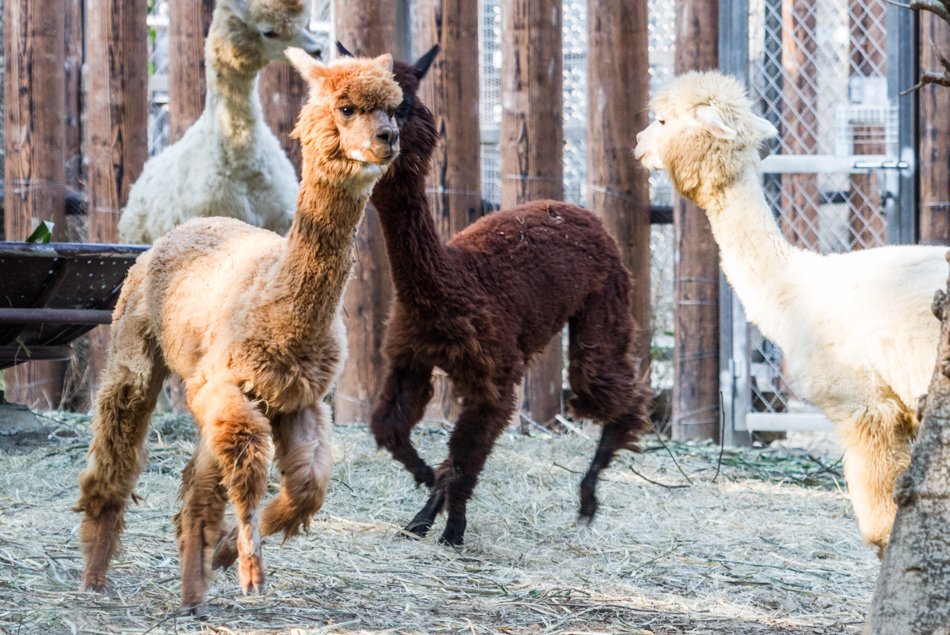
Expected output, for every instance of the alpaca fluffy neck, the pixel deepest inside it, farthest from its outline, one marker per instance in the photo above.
(754, 255)
(416, 253)
(233, 109)
(317, 262)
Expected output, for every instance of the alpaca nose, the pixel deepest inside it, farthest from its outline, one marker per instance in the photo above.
(388, 135)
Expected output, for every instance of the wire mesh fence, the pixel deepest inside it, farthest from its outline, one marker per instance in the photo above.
(818, 69)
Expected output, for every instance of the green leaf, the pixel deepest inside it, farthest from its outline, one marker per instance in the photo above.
(42, 233)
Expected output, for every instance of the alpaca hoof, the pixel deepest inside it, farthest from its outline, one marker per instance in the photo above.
(425, 477)
(588, 507)
(92, 587)
(198, 610)
(225, 553)
(251, 575)
(420, 525)
(453, 535)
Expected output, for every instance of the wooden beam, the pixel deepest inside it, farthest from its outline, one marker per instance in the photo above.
(696, 295)
(532, 145)
(450, 89)
(365, 27)
(117, 126)
(933, 104)
(189, 21)
(617, 96)
(34, 170)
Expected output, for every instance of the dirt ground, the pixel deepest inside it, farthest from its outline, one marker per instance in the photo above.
(767, 546)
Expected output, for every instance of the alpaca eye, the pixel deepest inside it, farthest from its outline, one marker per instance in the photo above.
(662, 122)
(271, 34)
(347, 111)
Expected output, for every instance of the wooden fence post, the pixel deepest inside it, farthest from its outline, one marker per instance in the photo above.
(532, 145)
(696, 340)
(617, 96)
(933, 107)
(283, 93)
(34, 169)
(451, 91)
(189, 21)
(117, 127)
(365, 27)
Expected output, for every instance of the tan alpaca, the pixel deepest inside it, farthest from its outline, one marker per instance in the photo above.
(250, 321)
(856, 329)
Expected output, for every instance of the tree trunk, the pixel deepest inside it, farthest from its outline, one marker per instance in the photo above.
(117, 128)
(450, 89)
(696, 343)
(532, 145)
(913, 590)
(365, 28)
(34, 169)
(188, 27)
(283, 93)
(933, 103)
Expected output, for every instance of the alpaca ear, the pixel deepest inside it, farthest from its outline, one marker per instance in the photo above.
(421, 65)
(709, 120)
(763, 128)
(385, 60)
(309, 68)
(238, 7)
(342, 50)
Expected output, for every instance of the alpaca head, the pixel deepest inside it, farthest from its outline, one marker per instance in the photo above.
(348, 129)
(417, 131)
(246, 35)
(704, 134)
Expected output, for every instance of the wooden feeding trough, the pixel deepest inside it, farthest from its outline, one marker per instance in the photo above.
(52, 293)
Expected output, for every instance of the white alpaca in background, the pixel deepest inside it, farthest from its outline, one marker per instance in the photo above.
(857, 328)
(228, 163)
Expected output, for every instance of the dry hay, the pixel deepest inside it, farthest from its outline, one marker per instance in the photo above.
(769, 547)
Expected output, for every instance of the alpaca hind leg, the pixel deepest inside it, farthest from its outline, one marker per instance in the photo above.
(619, 434)
(124, 404)
(605, 380)
(877, 451)
(304, 456)
(199, 523)
(239, 437)
(471, 442)
(402, 403)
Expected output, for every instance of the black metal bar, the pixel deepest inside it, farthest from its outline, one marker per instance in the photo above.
(71, 249)
(661, 214)
(54, 316)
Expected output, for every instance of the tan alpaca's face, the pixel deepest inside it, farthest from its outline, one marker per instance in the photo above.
(349, 122)
(671, 125)
(368, 134)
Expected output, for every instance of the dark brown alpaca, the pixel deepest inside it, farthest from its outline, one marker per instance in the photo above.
(480, 306)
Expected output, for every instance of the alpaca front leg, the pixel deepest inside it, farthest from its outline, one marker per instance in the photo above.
(199, 523)
(304, 456)
(471, 442)
(401, 404)
(239, 438)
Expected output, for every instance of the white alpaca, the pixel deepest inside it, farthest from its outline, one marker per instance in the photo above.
(228, 163)
(857, 328)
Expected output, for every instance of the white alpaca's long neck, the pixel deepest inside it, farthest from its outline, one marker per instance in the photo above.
(754, 254)
(234, 111)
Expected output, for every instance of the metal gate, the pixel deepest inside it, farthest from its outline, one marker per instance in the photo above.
(827, 74)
